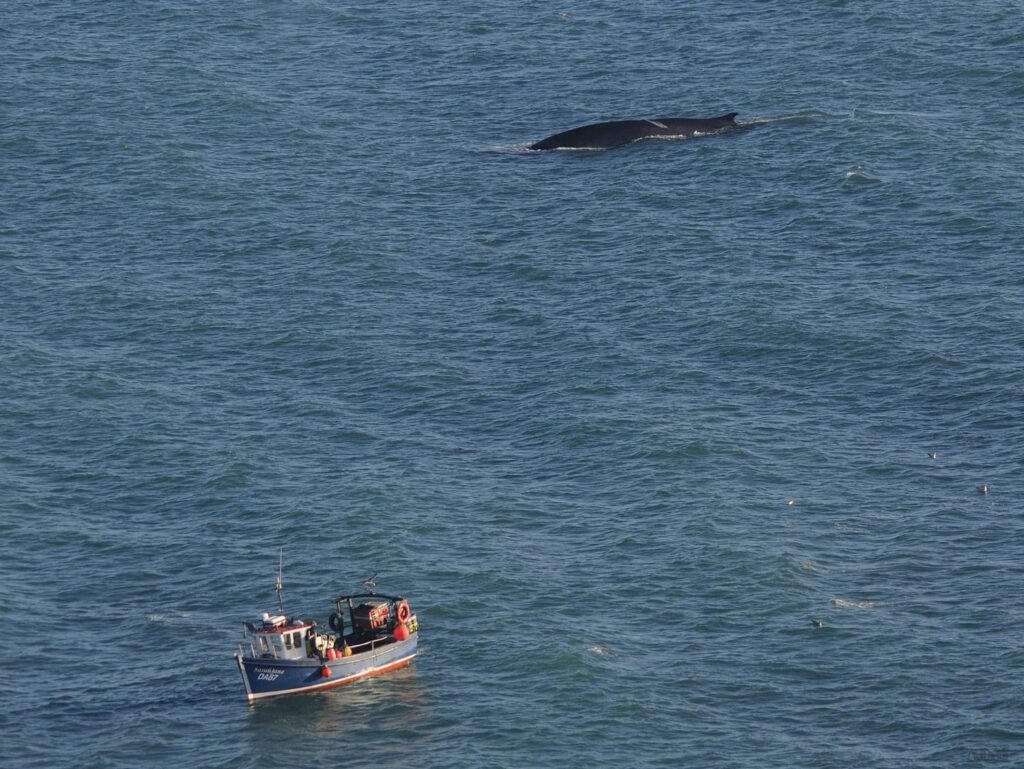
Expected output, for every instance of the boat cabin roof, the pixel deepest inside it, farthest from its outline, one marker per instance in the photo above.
(355, 596)
(287, 626)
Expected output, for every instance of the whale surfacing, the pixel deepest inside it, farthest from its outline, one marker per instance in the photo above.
(603, 136)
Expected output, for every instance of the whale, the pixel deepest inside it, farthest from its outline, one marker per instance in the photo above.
(615, 133)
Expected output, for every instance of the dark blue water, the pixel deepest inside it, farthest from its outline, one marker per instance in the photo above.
(619, 424)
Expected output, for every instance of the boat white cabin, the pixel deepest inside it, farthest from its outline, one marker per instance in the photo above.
(279, 638)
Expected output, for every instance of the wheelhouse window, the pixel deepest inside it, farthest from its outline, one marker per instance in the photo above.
(287, 640)
(263, 644)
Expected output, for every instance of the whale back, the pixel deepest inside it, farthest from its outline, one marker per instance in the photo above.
(687, 126)
(614, 133)
(598, 136)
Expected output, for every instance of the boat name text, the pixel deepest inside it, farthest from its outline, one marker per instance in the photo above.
(268, 674)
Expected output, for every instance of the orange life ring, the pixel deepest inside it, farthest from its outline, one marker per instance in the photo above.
(404, 612)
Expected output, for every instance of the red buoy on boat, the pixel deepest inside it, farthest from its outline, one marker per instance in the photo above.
(401, 633)
(325, 672)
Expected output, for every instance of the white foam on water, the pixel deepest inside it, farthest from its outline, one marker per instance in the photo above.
(173, 616)
(842, 603)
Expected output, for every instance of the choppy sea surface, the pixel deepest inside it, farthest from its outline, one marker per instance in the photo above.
(281, 276)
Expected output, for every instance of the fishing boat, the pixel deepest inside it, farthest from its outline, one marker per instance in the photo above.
(370, 633)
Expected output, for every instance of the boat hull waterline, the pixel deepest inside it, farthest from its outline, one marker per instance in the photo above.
(265, 678)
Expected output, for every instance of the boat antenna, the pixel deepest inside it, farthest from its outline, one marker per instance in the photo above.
(278, 585)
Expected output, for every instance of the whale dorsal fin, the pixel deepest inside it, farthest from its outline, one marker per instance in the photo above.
(731, 117)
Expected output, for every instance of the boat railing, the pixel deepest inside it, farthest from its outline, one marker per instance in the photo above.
(271, 653)
(252, 650)
(373, 643)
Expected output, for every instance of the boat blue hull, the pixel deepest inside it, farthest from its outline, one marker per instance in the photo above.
(272, 677)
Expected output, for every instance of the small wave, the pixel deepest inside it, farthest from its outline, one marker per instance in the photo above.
(519, 148)
(860, 174)
(899, 113)
(800, 117)
(847, 528)
(173, 616)
(842, 603)
(529, 151)
(523, 148)
(599, 650)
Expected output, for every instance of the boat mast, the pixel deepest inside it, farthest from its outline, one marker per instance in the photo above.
(278, 585)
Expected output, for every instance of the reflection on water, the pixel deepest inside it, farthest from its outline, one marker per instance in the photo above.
(330, 722)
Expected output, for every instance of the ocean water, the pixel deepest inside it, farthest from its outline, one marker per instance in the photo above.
(281, 276)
